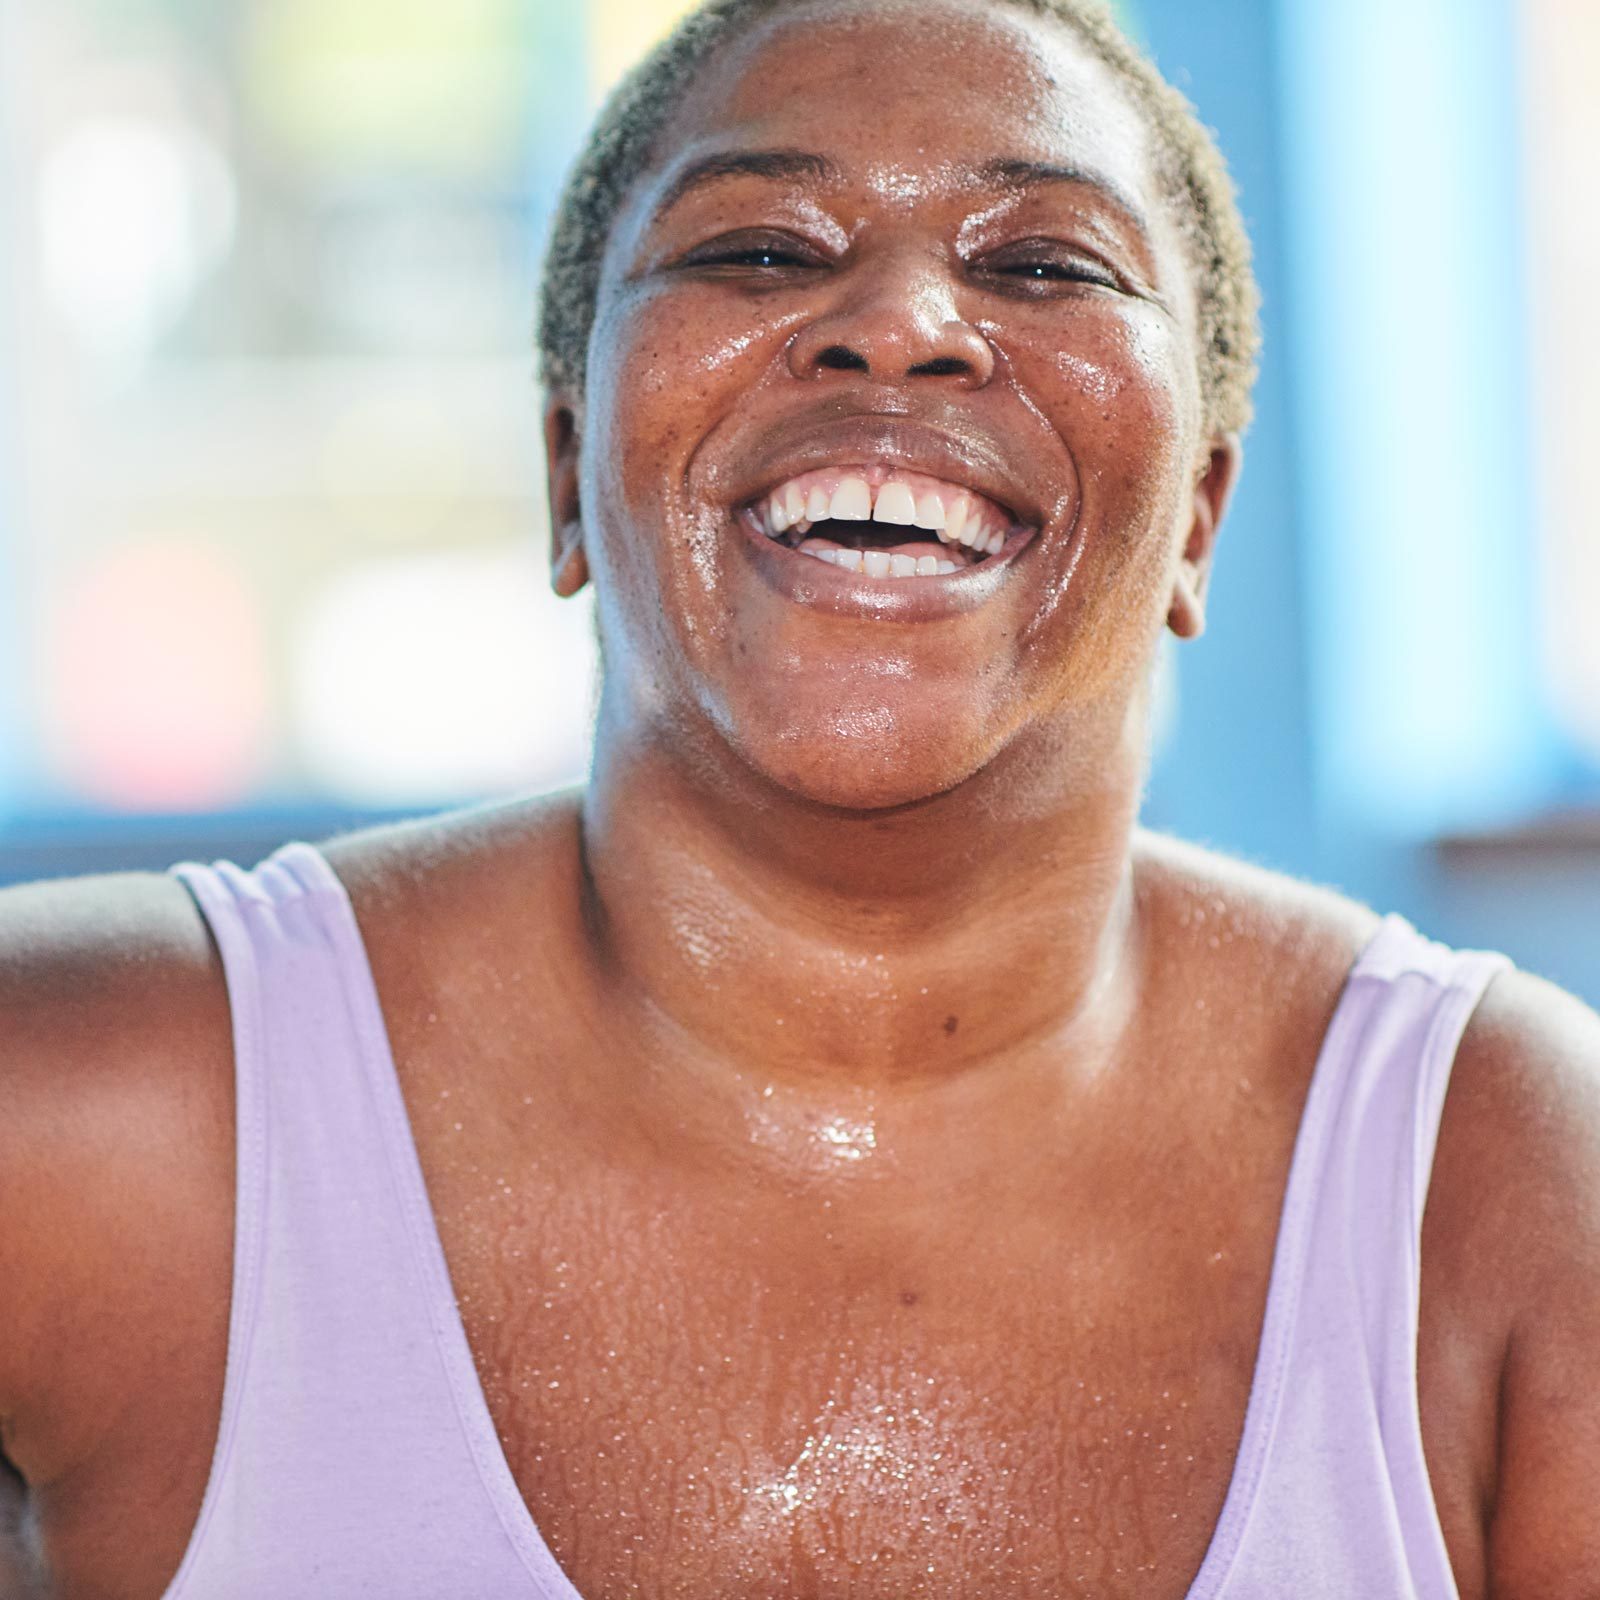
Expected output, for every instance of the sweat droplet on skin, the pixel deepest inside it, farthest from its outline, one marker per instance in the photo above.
(849, 1141)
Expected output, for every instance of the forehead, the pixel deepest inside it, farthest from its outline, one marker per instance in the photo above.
(906, 94)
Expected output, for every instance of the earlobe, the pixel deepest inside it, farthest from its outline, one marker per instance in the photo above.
(569, 566)
(1214, 482)
(1187, 618)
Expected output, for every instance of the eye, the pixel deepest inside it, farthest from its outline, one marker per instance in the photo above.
(771, 254)
(1056, 267)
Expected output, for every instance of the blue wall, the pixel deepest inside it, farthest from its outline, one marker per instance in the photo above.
(1368, 678)
(1237, 770)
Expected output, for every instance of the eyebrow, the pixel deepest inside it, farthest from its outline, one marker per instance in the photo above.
(775, 164)
(1002, 172)
(1013, 173)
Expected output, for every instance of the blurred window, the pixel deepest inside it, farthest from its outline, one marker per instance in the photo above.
(271, 498)
(1561, 93)
(1447, 368)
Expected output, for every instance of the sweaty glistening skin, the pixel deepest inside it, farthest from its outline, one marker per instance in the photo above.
(857, 1146)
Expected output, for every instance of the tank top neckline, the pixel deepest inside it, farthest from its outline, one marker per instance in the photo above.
(317, 876)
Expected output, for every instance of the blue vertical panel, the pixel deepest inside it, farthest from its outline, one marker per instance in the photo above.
(10, 439)
(1235, 769)
(1402, 142)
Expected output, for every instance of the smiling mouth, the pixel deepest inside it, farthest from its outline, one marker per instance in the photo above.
(886, 523)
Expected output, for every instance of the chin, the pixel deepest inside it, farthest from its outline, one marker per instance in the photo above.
(866, 759)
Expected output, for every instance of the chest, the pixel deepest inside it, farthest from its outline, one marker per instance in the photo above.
(699, 1394)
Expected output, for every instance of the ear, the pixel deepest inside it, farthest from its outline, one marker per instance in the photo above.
(569, 566)
(1213, 488)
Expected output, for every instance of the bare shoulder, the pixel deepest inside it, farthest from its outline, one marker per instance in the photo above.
(65, 931)
(1528, 1069)
(1526, 1120)
(1277, 944)
(469, 877)
(1522, 1131)
(397, 861)
(115, 1137)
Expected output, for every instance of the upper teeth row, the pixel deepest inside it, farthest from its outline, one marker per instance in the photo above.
(956, 515)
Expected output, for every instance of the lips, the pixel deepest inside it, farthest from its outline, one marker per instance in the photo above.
(891, 502)
(870, 590)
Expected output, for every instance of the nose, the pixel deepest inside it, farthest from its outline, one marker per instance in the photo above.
(899, 320)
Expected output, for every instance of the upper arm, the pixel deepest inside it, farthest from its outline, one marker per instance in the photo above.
(114, 1115)
(1533, 1052)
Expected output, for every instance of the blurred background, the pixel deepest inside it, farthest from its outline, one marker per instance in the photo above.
(272, 528)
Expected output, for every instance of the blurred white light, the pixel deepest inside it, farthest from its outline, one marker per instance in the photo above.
(156, 679)
(134, 215)
(431, 679)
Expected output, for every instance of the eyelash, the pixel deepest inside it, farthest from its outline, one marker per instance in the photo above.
(1071, 272)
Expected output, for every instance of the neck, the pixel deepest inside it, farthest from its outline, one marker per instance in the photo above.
(758, 943)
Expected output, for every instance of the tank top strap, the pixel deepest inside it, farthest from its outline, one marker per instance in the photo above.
(1343, 1491)
(1427, 995)
(349, 1459)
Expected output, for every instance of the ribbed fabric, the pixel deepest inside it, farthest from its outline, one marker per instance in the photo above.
(356, 1454)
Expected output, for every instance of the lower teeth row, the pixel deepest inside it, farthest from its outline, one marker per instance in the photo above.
(880, 564)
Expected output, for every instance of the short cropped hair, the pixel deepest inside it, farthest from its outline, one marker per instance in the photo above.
(1189, 168)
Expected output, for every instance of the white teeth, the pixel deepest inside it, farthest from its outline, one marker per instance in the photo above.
(896, 503)
(852, 501)
(955, 519)
(967, 525)
(973, 531)
(954, 516)
(881, 563)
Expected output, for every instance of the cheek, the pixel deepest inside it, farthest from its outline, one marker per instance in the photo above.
(668, 367)
(1122, 393)
(1129, 393)
(668, 344)
(648, 385)
(679, 357)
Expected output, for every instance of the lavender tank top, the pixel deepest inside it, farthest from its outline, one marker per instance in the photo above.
(356, 1454)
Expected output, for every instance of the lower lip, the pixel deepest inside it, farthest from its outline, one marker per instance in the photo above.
(808, 581)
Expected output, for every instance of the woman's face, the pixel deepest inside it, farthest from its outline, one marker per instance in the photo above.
(920, 246)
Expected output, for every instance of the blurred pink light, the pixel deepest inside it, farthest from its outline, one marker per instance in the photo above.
(157, 679)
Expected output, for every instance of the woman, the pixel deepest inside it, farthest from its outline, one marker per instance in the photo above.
(837, 1152)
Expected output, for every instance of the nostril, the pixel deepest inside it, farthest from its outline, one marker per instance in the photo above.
(837, 356)
(942, 367)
